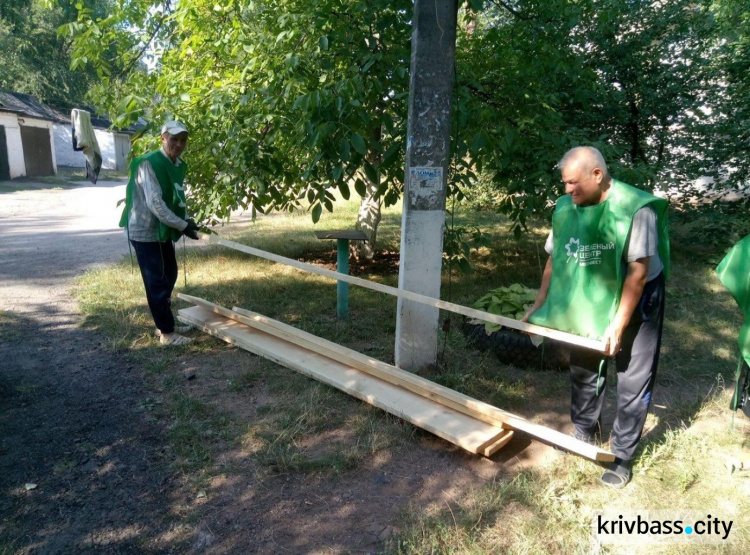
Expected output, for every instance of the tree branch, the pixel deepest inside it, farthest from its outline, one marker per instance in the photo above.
(134, 61)
(507, 7)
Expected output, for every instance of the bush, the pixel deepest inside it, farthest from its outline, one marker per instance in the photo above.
(512, 302)
(482, 196)
(511, 346)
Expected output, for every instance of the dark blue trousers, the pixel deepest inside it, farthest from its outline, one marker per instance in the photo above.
(636, 365)
(158, 264)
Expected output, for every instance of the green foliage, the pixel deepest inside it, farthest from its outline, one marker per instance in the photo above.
(285, 100)
(512, 302)
(34, 59)
(517, 81)
(457, 244)
(481, 195)
(719, 224)
(726, 151)
(290, 100)
(642, 81)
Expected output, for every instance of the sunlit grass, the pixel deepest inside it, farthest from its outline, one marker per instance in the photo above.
(305, 427)
(551, 509)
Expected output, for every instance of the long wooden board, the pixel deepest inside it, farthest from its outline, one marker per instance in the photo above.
(416, 297)
(469, 433)
(416, 384)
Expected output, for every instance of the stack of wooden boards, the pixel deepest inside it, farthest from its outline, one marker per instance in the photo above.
(471, 424)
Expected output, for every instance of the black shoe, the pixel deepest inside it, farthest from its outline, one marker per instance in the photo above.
(617, 475)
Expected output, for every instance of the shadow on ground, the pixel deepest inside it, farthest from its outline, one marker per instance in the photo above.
(82, 464)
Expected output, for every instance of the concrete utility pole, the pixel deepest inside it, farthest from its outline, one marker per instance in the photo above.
(433, 51)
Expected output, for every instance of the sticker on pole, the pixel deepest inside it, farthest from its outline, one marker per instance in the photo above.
(425, 186)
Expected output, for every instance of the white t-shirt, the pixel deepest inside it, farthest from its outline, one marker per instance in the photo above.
(643, 242)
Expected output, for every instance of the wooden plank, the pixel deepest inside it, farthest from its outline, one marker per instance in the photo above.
(381, 370)
(499, 444)
(416, 297)
(351, 234)
(462, 430)
(449, 397)
(416, 384)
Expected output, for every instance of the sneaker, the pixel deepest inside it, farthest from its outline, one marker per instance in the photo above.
(178, 329)
(174, 339)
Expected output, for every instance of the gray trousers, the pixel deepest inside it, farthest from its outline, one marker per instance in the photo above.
(636, 365)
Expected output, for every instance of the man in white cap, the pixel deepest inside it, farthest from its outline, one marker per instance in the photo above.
(155, 216)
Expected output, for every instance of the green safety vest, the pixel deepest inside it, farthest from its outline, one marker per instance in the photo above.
(734, 273)
(587, 260)
(171, 178)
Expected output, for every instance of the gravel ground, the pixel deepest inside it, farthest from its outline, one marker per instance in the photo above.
(80, 465)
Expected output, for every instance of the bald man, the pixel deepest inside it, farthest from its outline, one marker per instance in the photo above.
(604, 278)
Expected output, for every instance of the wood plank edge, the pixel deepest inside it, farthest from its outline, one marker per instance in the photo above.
(502, 440)
(565, 337)
(279, 359)
(416, 384)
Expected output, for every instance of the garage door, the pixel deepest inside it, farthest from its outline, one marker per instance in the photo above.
(122, 148)
(4, 165)
(37, 151)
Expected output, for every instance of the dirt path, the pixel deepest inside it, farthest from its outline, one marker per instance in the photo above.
(70, 418)
(74, 422)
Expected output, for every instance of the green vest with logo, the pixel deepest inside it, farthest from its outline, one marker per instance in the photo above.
(734, 273)
(588, 270)
(171, 179)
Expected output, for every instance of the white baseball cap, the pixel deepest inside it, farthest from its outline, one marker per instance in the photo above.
(173, 128)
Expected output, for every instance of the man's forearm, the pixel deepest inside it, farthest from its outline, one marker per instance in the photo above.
(632, 289)
(543, 289)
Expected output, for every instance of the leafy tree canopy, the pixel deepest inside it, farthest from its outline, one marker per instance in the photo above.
(634, 78)
(33, 58)
(284, 99)
(291, 99)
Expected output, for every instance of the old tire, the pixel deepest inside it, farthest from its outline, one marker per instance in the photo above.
(515, 348)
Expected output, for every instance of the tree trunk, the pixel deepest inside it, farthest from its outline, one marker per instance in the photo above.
(367, 221)
(369, 211)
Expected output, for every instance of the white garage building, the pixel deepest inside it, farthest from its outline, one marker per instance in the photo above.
(35, 139)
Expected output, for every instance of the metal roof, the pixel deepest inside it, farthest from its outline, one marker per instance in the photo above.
(28, 106)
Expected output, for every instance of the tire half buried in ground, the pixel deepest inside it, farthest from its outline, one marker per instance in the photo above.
(515, 348)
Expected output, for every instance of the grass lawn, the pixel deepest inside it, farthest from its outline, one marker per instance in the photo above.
(547, 508)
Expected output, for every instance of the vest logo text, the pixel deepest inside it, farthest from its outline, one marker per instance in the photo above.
(587, 255)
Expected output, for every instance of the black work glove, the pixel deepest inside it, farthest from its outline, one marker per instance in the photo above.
(192, 229)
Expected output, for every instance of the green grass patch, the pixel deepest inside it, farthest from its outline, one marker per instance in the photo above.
(193, 424)
(9, 326)
(286, 423)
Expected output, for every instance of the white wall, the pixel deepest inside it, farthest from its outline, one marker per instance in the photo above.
(106, 141)
(15, 147)
(66, 156)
